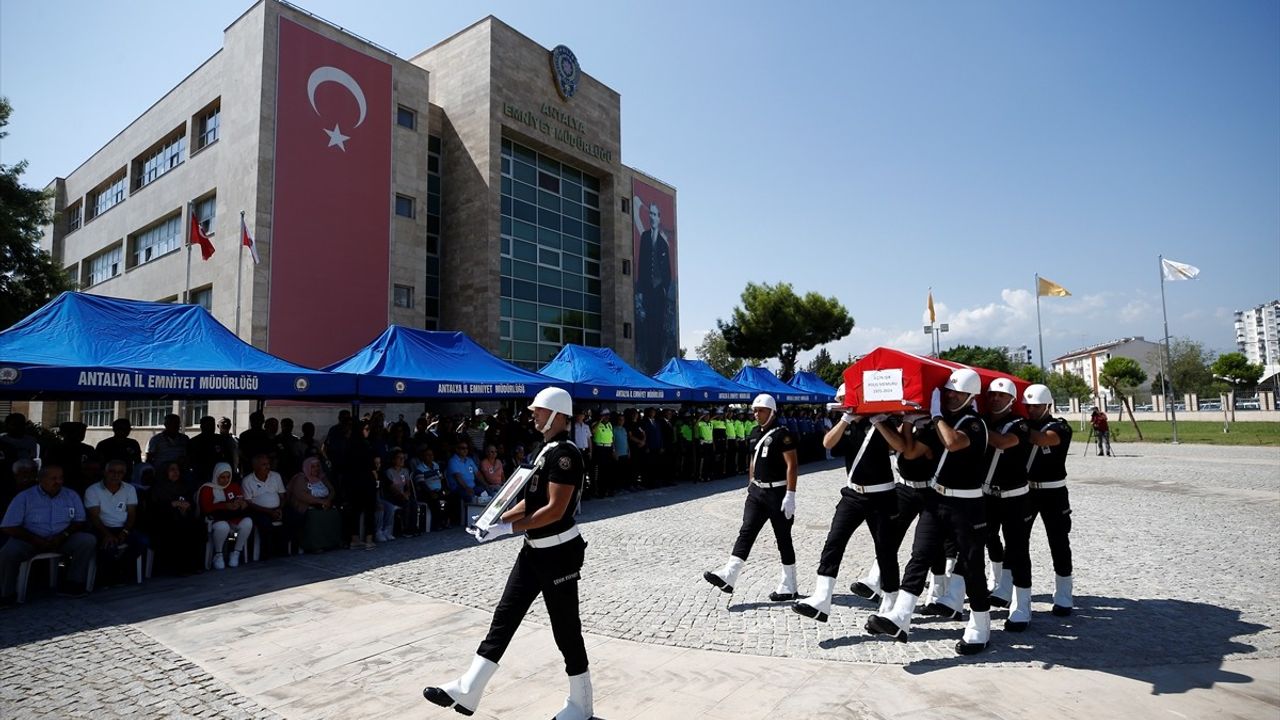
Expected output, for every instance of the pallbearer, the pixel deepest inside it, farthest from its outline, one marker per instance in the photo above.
(1047, 477)
(1008, 507)
(771, 497)
(549, 563)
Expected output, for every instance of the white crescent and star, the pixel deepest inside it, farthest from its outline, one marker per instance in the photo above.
(328, 73)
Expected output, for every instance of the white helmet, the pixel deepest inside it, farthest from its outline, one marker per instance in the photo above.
(765, 400)
(554, 399)
(965, 381)
(1003, 385)
(1037, 395)
(840, 393)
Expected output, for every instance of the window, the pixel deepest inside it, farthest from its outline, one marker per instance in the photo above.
(62, 412)
(192, 411)
(626, 267)
(626, 330)
(203, 297)
(207, 127)
(404, 206)
(148, 413)
(97, 413)
(406, 118)
(626, 205)
(106, 197)
(403, 296)
(207, 210)
(104, 266)
(157, 162)
(159, 240)
(72, 215)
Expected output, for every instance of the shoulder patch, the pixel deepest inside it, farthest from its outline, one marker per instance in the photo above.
(566, 462)
(786, 439)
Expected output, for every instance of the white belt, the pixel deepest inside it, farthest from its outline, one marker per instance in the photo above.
(864, 489)
(922, 485)
(953, 492)
(780, 483)
(1051, 485)
(553, 540)
(1008, 493)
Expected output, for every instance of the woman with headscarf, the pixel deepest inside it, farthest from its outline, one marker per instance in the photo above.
(177, 533)
(222, 503)
(317, 523)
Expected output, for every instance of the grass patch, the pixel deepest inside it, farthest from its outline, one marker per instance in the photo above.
(1195, 431)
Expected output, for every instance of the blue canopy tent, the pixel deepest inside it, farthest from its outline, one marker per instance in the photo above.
(598, 373)
(82, 345)
(404, 363)
(763, 381)
(707, 384)
(806, 381)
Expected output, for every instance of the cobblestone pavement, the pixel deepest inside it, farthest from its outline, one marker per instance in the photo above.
(1175, 555)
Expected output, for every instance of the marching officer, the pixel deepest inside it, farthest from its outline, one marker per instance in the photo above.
(549, 563)
(1008, 507)
(771, 497)
(1047, 478)
(955, 510)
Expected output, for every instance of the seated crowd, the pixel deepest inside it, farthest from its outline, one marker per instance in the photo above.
(206, 500)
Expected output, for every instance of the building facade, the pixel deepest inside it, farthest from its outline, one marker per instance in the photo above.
(477, 186)
(1258, 336)
(1087, 362)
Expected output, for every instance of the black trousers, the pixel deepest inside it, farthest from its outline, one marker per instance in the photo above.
(1012, 518)
(1054, 506)
(606, 470)
(706, 460)
(554, 572)
(910, 505)
(765, 505)
(964, 521)
(877, 510)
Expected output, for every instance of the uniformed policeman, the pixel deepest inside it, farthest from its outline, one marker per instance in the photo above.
(688, 453)
(730, 444)
(867, 496)
(549, 563)
(719, 444)
(706, 445)
(744, 450)
(955, 509)
(603, 457)
(1047, 478)
(771, 497)
(1008, 507)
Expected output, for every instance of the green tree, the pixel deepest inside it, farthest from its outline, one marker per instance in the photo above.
(992, 358)
(29, 277)
(775, 322)
(1032, 374)
(714, 351)
(1122, 375)
(1188, 368)
(1242, 373)
(1065, 385)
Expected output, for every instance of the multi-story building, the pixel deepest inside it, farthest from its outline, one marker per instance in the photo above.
(1258, 336)
(1020, 355)
(477, 186)
(1087, 362)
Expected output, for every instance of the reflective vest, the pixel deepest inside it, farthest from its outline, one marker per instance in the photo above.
(686, 432)
(730, 430)
(602, 435)
(704, 431)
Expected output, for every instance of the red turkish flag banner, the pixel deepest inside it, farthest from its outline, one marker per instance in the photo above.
(197, 236)
(331, 217)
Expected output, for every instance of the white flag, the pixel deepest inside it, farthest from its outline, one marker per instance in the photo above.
(1178, 271)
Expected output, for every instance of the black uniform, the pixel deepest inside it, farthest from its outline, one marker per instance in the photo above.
(960, 518)
(860, 500)
(1047, 465)
(551, 571)
(1008, 505)
(764, 504)
(913, 491)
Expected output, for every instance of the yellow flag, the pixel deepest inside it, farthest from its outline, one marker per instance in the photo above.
(1049, 287)
(932, 316)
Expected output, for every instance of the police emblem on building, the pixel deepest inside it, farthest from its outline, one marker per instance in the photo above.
(301, 384)
(9, 375)
(565, 70)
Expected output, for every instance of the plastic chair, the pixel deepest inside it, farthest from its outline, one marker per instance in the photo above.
(244, 554)
(24, 573)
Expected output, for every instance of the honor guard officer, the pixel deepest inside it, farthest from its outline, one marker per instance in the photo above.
(1047, 477)
(868, 496)
(955, 510)
(1008, 507)
(771, 497)
(549, 563)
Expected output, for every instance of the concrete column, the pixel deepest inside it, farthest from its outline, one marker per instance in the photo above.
(1266, 400)
(1074, 405)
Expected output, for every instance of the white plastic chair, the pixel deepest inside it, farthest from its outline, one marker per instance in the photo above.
(24, 573)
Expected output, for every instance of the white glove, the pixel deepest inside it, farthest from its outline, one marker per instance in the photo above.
(849, 418)
(789, 504)
(877, 419)
(935, 404)
(493, 532)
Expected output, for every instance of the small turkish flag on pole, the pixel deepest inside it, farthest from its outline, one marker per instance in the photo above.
(247, 240)
(197, 236)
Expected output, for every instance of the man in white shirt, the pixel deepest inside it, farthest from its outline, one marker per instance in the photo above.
(264, 490)
(112, 506)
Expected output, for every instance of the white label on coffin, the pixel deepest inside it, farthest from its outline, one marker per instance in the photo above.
(882, 385)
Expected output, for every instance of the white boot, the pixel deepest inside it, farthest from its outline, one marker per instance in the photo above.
(578, 706)
(976, 634)
(993, 574)
(897, 622)
(1002, 591)
(726, 577)
(868, 588)
(951, 605)
(818, 605)
(786, 586)
(887, 601)
(464, 693)
(937, 589)
(1019, 610)
(1062, 595)
(951, 566)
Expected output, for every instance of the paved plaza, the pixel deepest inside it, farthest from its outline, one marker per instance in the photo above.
(1177, 614)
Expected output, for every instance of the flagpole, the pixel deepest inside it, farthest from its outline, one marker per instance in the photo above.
(1167, 383)
(1039, 330)
(186, 295)
(239, 272)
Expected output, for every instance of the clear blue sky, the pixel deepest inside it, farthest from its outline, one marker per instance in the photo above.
(865, 150)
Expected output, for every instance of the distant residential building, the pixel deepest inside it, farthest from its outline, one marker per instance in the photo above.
(1087, 362)
(1020, 355)
(1258, 336)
